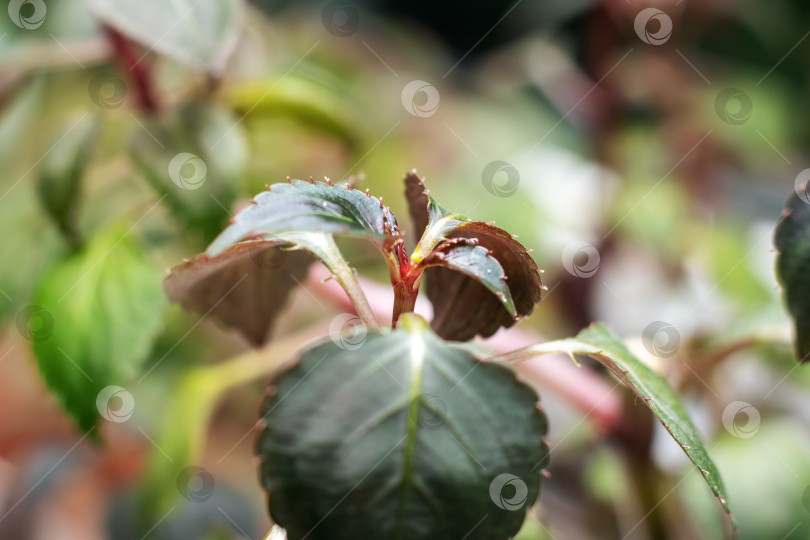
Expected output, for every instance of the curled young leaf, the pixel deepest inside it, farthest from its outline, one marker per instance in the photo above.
(498, 284)
(405, 436)
(792, 240)
(245, 287)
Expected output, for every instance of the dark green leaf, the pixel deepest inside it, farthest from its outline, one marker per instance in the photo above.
(468, 303)
(200, 33)
(195, 157)
(792, 240)
(599, 343)
(105, 306)
(474, 261)
(60, 176)
(406, 437)
(245, 287)
(311, 207)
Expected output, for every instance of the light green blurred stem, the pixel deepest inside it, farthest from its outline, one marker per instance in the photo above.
(181, 441)
(347, 279)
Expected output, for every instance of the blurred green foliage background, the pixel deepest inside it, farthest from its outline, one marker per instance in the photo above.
(645, 159)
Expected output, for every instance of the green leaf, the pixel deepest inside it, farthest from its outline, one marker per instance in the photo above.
(470, 298)
(405, 437)
(465, 256)
(600, 344)
(792, 240)
(60, 176)
(311, 207)
(245, 287)
(194, 156)
(199, 33)
(105, 307)
(307, 99)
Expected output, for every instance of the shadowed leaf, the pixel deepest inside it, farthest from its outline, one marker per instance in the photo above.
(792, 240)
(245, 287)
(428, 441)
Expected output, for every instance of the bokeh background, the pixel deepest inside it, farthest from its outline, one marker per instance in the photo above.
(644, 150)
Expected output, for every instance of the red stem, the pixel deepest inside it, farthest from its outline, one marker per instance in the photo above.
(138, 72)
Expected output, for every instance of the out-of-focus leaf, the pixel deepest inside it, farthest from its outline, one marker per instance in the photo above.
(318, 106)
(60, 175)
(23, 264)
(600, 344)
(792, 240)
(311, 207)
(194, 156)
(429, 442)
(245, 287)
(104, 307)
(470, 302)
(199, 33)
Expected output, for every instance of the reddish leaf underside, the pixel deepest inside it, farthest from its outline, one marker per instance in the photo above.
(245, 287)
